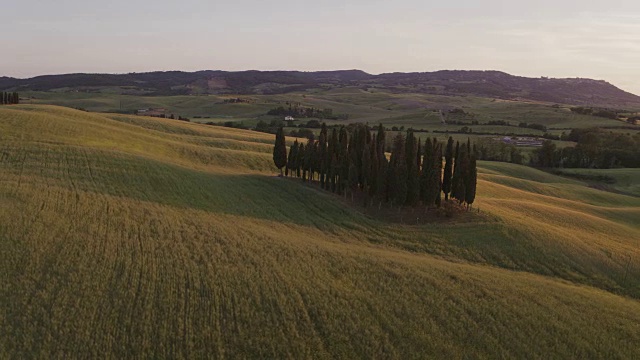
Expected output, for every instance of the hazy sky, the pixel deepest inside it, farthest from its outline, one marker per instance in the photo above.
(560, 38)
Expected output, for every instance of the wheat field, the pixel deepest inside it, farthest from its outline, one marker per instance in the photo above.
(127, 236)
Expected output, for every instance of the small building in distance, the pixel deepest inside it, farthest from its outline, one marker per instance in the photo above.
(521, 141)
(289, 120)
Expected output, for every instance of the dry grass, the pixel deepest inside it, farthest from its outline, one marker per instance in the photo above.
(134, 237)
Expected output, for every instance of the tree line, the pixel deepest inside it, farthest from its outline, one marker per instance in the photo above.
(350, 162)
(9, 98)
(595, 148)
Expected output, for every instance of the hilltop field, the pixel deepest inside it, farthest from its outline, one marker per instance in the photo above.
(128, 236)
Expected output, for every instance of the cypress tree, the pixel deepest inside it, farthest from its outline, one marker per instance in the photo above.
(460, 174)
(381, 140)
(398, 172)
(333, 171)
(343, 160)
(472, 180)
(448, 169)
(366, 168)
(315, 160)
(382, 182)
(432, 173)
(280, 150)
(324, 161)
(426, 172)
(373, 173)
(332, 159)
(437, 173)
(308, 155)
(353, 172)
(419, 157)
(300, 160)
(291, 158)
(413, 171)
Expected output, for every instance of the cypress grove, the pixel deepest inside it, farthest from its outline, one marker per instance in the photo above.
(9, 98)
(351, 159)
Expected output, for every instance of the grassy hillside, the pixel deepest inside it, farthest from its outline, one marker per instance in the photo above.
(626, 181)
(137, 237)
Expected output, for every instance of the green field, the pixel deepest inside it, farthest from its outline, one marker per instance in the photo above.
(126, 236)
(373, 106)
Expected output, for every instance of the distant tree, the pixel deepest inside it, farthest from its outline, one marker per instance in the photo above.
(280, 150)
(545, 154)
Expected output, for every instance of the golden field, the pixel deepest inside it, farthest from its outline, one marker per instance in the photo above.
(127, 236)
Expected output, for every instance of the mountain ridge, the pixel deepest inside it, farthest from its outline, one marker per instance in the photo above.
(483, 83)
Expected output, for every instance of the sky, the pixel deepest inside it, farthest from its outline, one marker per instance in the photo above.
(561, 38)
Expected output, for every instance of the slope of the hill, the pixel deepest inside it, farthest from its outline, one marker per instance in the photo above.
(138, 237)
(493, 84)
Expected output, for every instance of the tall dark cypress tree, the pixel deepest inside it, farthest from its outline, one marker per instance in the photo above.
(322, 148)
(398, 172)
(413, 173)
(315, 160)
(425, 172)
(448, 169)
(343, 160)
(280, 150)
(308, 156)
(300, 160)
(291, 158)
(460, 174)
(366, 168)
(353, 172)
(332, 158)
(333, 173)
(381, 139)
(437, 173)
(382, 182)
(472, 179)
(419, 155)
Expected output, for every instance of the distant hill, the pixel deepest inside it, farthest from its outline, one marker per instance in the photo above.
(495, 84)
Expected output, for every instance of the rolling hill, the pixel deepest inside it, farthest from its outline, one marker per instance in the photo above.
(127, 236)
(492, 84)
